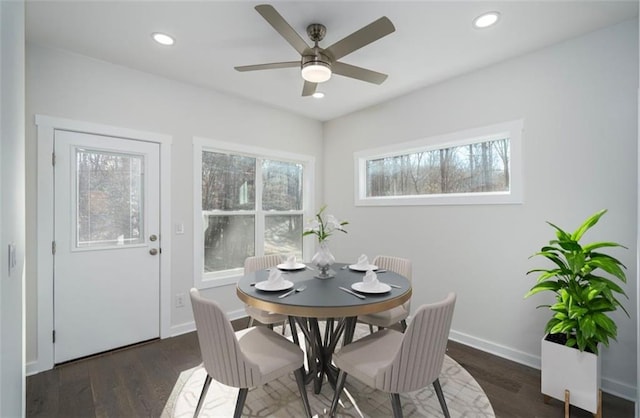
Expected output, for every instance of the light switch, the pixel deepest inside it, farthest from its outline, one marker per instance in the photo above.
(179, 228)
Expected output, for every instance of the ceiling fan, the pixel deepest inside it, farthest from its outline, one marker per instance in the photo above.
(316, 63)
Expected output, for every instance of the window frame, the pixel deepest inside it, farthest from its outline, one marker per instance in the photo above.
(202, 279)
(512, 129)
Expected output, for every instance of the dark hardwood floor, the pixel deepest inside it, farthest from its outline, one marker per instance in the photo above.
(137, 381)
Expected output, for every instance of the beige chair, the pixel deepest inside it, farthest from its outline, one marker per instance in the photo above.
(394, 362)
(252, 264)
(248, 358)
(385, 319)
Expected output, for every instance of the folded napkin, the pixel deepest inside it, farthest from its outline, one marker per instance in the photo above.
(363, 261)
(275, 278)
(370, 280)
(291, 261)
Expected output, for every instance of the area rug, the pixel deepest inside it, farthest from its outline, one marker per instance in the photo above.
(280, 398)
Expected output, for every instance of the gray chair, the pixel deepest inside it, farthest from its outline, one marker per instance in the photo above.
(387, 318)
(248, 358)
(394, 362)
(252, 264)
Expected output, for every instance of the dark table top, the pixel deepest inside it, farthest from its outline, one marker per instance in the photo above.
(322, 298)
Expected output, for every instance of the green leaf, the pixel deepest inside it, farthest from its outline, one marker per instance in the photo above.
(562, 235)
(608, 266)
(595, 245)
(603, 321)
(587, 326)
(586, 225)
(607, 283)
(543, 286)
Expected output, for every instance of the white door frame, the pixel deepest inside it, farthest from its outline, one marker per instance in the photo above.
(46, 126)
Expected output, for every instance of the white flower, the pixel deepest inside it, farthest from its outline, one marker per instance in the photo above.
(323, 228)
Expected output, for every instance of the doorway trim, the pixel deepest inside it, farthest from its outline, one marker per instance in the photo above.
(46, 127)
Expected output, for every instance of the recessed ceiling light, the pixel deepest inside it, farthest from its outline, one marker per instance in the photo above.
(486, 19)
(162, 38)
(318, 95)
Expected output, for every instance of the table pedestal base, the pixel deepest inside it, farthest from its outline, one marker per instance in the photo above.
(320, 347)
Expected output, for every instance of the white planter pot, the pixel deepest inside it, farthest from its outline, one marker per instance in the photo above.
(567, 368)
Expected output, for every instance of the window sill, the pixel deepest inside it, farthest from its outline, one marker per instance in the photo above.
(210, 282)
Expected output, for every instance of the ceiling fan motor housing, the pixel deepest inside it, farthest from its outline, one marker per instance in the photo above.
(316, 32)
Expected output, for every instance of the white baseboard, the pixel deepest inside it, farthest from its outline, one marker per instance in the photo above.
(34, 367)
(180, 329)
(610, 386)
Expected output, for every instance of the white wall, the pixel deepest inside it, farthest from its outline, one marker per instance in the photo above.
(70, 86)
(578, 102)
(12, 218)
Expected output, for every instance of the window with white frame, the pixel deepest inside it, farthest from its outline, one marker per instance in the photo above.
(248, 201)
(477, 166)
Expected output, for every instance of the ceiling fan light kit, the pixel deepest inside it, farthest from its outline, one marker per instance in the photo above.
(316, 72)
(318, 64)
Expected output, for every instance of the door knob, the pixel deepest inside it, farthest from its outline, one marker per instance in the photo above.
(153, 237)
(153, 251)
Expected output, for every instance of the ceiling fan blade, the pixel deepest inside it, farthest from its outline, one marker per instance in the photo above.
(370, 33)
(309, 88)
(270, 66)
(359, 73)
(281, 26)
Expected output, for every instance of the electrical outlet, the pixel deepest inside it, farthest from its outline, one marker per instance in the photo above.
(180, 300)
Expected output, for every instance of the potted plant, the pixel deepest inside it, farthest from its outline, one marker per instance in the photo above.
(582, 278)
(323, 228)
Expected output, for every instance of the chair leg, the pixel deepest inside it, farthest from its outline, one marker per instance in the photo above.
(403, 324)
(242, 396)
(395, 405)
(250, 322)
(203, 394)
(303, 390)
(443, 404)
(342, 378)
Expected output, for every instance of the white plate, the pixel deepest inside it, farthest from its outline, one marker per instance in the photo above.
(358, 268)
(297, 266)
(381, 288)
(267, 287)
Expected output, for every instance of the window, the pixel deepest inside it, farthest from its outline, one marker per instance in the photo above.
(109, 197)
(248, 202)
(479, 166)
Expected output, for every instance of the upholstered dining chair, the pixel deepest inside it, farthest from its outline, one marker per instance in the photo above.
(394, 362)
(247, 358)
(387, 318)
(255, 263)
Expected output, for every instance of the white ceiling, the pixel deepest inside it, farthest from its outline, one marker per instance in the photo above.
(433, 41)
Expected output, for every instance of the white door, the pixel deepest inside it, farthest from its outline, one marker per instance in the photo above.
(107, 260)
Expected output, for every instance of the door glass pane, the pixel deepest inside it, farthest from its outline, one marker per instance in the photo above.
(109, 198)
(228, 182)
(282, 185)
(228, 240)
(283, 235)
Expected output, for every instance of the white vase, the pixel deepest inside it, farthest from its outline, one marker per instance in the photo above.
(567, 368)
(323, 259)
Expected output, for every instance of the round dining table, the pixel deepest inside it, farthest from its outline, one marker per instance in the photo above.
(315, 299)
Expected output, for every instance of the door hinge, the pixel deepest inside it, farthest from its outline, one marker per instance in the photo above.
(53, 158)
(53, 336)
(53, 247)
